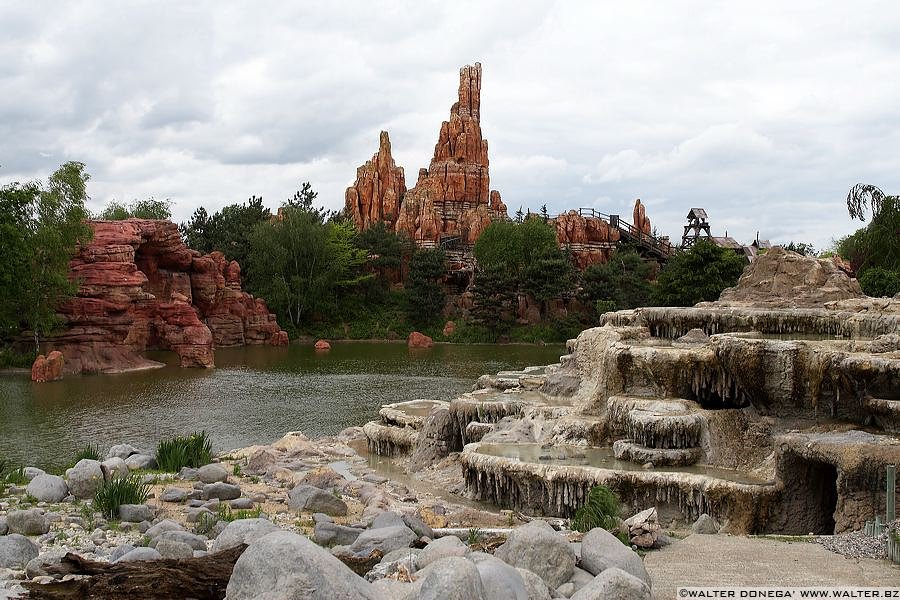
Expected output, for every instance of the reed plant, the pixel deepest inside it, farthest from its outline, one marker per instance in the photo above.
(600, 510)
(193, 451)
(112, 494)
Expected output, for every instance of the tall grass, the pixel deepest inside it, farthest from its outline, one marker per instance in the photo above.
(112, 494)
(89, 452)
(11, 473)
(192, 451)
(600, 510)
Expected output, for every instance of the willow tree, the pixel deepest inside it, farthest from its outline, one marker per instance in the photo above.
(877, 245)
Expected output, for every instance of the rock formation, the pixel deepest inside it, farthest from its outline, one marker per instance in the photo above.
(452, 197)
(141, 288)
(380, 186)
(591, 240)
(639, 218)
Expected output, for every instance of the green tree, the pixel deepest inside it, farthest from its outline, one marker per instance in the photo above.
(385, 250)
(425, 296)
(622, 282)
(57, 228)
(697, 275)
(878, 243)
(137, 209)
(879, 282)
(802, 248)
(301, 264)
(547, 276)
(228, 230)
(494, 297)
(16, 230)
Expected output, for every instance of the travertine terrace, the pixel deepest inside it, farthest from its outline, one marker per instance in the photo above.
(774, 409)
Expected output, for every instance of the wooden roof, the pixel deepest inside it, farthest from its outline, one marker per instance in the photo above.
(697, 213)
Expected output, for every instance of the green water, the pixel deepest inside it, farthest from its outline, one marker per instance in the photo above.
(254, 396)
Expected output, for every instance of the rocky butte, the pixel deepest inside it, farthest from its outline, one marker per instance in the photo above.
(452, 203)
(141, 288)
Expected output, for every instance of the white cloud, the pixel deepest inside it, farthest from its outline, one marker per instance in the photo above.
(765, 113)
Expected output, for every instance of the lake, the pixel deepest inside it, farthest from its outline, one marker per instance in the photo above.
(254, 396)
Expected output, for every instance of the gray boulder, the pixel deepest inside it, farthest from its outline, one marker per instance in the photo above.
(84, 478)
(16, 550)
(212, 473)
(137, 462)
(384, 539)
(241, 503)
(537, 589)
(419, 526)
(28, 522)
(221, 491)
(601, 550)
(441, 548)
(705, 524)
(114, 467)
(538, 548)
(122, 451)
(162, 527)
(140, 554)
(614, 584)
(308, 498)
(37, 567)
(4, 528)
(242, 531)
(135, 513)
(196, 542)
(387, 519)
(174, 495)
(452, 578)
(285, 566)
(501, 581)
(32, 472)
(174, 549)
(120, 551)
(332, 534)
(48, 488)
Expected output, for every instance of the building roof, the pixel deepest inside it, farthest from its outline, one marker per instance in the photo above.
(727, 242)
(697, 213)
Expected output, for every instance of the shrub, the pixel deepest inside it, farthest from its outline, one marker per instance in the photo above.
(600, 510)
(112, 494)
(879, 282)
(192, 451)
(89, 452)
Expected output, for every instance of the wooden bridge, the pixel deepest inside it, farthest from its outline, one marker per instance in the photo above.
(647, 244)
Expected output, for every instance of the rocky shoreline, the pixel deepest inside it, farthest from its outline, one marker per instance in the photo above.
(296, 489)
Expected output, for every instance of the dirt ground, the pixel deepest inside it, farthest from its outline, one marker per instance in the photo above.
(722, 560)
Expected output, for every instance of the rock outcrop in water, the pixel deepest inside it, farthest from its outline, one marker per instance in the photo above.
(142, 288)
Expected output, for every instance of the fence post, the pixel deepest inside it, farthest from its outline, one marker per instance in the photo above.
(891, 489)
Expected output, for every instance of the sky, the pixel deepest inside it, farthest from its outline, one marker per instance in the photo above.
(763, 113)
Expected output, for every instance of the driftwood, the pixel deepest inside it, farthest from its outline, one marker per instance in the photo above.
(202, 578)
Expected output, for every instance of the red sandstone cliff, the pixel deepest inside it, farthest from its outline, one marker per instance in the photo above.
(590, 239)
(141, 288)
(452, 197)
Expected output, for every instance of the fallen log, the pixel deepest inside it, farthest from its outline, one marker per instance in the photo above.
(201, 578)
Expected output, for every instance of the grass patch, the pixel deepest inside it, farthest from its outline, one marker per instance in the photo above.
(87, 452)
(11, 474)
(123, 490)
(787, 538)
(192, 451)
(600, 510)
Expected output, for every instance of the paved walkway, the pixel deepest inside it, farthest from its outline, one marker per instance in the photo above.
(709, 560)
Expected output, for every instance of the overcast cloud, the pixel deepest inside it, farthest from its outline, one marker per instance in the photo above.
(764, 113)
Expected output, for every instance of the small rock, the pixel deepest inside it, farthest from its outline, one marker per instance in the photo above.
(332, 534)
(441, 548)
(187, 474)
(260, 461)
(84, 478)
(452, 578)
(16, 550)
(242, 531)
(601, 550)
(388, 519)
(4, 528)
(162, 527)
(174, 495)
(122, 451)
(383, 539)
(174, 549)
(194, 541)
(241, 503)
(614, 584)
(140, 554)
(114, 467)
(135, 513)
(36, 567)
(32, 472)
(537, 547)
(120, 551)
(321, 518)
(137, 462)
(28, 522)
(308, 498)
(221, 491)
(419, 526)
(705, 524)
(48, 488)
(212, 473)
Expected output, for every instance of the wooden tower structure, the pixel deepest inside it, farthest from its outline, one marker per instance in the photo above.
(698, 224)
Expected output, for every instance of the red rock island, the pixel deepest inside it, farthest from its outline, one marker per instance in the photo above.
(141, 288)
